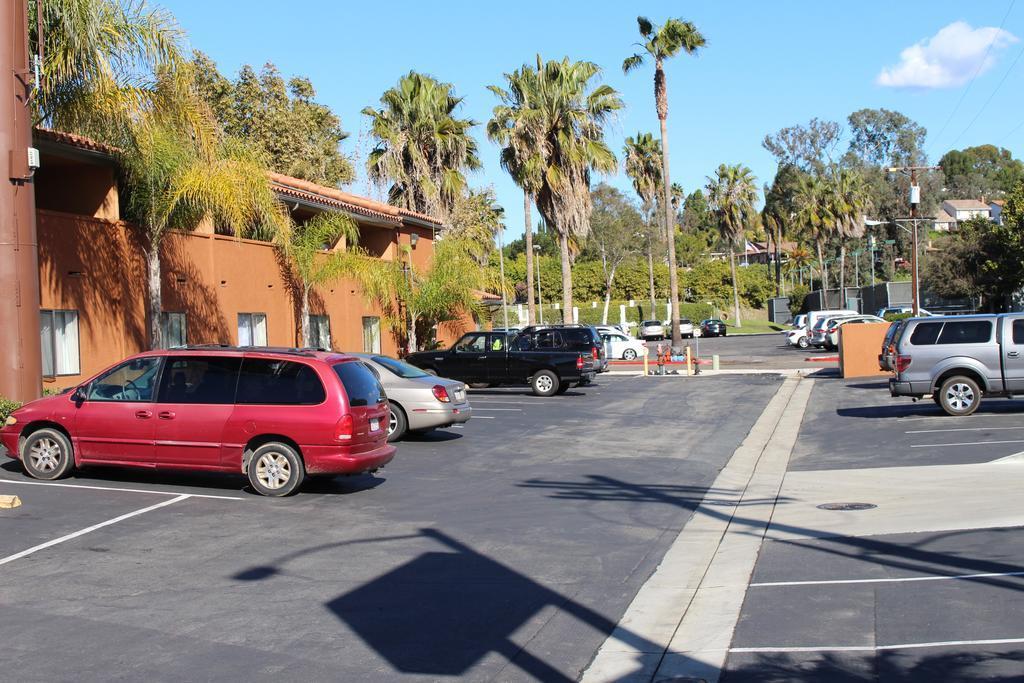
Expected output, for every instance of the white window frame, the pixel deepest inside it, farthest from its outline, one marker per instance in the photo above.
(165, 319)
(320, 330)
(250, 321)
(374, 329)
(72, 364)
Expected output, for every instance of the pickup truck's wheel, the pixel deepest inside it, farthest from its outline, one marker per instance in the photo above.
(545, 383)
(397, 422)
(629, 354)
(959, 396)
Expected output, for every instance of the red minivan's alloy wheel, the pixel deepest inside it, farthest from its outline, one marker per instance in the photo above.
(46, 454)
(275, 470)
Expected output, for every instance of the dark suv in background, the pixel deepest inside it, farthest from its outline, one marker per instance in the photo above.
(570, 337)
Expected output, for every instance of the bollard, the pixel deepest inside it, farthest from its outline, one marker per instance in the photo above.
(689, 362)
(714, 362)
(646, 370)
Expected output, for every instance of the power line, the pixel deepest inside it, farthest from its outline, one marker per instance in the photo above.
(963, 95)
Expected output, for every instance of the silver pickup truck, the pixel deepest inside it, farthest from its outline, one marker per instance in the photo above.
(955, 360)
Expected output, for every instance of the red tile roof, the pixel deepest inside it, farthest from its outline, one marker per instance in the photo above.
(72, 140)
(304, 189)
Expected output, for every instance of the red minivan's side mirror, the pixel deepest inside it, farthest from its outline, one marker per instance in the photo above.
(78, 395)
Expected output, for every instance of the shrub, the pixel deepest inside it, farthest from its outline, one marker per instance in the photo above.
(893, 317)
(7, 406)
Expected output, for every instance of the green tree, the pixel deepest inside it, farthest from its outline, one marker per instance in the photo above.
(307, 248)
(176, 177)
(423, 149)
(982, 171)
(475, 221)
(99, 58)
(848, 201)
(299, 136)
(810, 148)
(615, 225)
(813, 215)
(660, 44)
(642, 160)
(732, 193)
(569, 117)
(882, 137)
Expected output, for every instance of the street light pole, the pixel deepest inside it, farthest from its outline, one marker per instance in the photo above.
(540, 294)
(501, 265)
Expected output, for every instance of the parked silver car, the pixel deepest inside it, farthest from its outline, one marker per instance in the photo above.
(651, 330)
(955, 360)
(419, 401)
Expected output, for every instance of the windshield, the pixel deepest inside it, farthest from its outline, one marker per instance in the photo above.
(397, 367)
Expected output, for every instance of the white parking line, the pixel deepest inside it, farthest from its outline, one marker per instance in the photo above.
(876, 648)
(90, 529)
(964, 429)
(115, 488)
(904, 579)
(964, 443)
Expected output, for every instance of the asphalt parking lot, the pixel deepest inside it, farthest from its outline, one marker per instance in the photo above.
(503, 550)
(753, 351)
(922, 606)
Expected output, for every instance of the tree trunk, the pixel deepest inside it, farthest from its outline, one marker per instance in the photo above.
(412, 332)
(670, 232)
(778, 258)
(563, 244)
(735, 287)
(155, 295)
(306, 343)
(821, 272)
(650, 270)
(608, 295)
(842, 275)
(531, 307)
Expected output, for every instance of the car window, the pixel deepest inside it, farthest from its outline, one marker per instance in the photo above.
(472, 343)
(269, 381)
(496, 343)
(1018, 331)
(360, 384)
(684, 321)
(925, 333)
(966, 332)
(399, 368)
(549, 339)
(130, 381)
(199, 380)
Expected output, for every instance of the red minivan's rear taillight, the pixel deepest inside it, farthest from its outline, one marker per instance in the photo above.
(441, 394)
(579, 363)
(902, 363)
(345, 428)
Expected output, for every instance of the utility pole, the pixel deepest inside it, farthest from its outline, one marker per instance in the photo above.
(915, 199)
(20, 360)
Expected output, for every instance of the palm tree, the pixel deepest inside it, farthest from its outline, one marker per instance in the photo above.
(732, 194)
(99, 58)
(813, 212)
(176, 178)
(568, 118)
(514, 126)
(423, 149)
(306, 248)
(642, 159)
(662, 43)
(848, 200)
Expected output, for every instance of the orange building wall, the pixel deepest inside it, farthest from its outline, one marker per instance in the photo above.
(859, 346)
(97, 267)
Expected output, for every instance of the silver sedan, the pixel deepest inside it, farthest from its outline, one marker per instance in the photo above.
(419, 401)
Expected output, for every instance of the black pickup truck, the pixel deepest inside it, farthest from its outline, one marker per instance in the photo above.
(495, 358)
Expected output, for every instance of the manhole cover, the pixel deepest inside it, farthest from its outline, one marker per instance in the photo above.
(846, 506)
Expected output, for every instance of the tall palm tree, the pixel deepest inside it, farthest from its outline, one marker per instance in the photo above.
(642, 160)
(306, 249)
(732, 195)
(423, 149)
(662, 43)
(813, 212)
(177, 176)
(848, 200)
(569, 117)
(514, 125)
(99, 57)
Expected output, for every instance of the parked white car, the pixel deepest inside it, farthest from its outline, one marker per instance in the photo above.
(651, 330)
(685, 328)
(832, 332)
(797, 337)
(621, 346)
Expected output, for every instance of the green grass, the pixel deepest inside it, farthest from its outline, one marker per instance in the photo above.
(755, 326)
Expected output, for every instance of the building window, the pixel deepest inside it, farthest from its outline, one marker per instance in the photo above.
(58, 332)
(371, 334)
(174, 328)
(252, 329)
(320, 331)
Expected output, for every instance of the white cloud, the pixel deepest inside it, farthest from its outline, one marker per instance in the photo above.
(948, 59)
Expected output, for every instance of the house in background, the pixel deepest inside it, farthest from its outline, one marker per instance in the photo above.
(217, 289)
(955, 211)
(996, 208)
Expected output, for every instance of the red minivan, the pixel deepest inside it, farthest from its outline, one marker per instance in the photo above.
(273, 414)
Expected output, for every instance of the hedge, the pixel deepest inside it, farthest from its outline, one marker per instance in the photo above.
(7, 406)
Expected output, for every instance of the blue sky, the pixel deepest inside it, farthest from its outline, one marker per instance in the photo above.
(766, 66)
